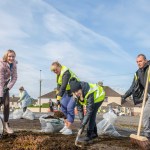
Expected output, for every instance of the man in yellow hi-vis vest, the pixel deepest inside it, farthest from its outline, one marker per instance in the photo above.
(137, 88)
(64, 95)
(91, 96)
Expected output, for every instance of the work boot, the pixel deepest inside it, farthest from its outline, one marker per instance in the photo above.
(7, 128)
(88, 136)
(94, 133)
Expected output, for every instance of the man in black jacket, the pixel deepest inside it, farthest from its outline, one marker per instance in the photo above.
(140, 78)
(91, 96)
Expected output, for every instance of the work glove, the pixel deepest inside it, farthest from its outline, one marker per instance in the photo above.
(1, 101)
(6, 89)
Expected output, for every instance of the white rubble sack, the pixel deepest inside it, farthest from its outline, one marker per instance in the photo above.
(17, 114)
(106, 127)
(28, 114)
(51, 125)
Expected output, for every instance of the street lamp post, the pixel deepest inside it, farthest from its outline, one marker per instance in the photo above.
(40, 93)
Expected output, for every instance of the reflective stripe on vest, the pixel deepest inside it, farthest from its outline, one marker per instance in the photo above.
(59, 78)
(135, 77)
(99, 94)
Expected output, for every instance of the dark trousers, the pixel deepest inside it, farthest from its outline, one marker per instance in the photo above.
(92, 122)
(51, 108)
(24, 109)
(6, 106)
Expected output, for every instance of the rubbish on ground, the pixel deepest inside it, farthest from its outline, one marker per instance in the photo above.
(50, 124)
(106, 127)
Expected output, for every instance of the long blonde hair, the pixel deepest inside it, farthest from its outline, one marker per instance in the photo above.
(6, 54)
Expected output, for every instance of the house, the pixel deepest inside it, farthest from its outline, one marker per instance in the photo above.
(13, 102)
(129, 108)
(112, 99)
(45, 98)
(111, 96)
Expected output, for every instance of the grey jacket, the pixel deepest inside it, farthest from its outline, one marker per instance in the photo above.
(90, 104)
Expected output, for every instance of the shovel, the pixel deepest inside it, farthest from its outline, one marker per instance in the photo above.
(78, 135)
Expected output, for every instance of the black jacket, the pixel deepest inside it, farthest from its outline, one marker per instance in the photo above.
(138, 85)
(62, 88)
(90, 104)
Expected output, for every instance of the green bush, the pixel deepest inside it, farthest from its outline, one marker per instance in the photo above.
(45, 105)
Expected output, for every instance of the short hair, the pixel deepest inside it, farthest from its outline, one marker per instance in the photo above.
(142, 56)
(56, 63)
(6, 54)
(21, 88)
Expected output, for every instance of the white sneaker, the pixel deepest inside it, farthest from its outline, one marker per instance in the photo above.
(67, 132)
(63, 129)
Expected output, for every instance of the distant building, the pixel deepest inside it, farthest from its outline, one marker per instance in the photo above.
(13, 102)
(129, 108)
(51, 95)
(111, 96)
(112, 99)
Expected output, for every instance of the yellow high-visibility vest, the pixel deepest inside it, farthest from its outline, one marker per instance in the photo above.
(59, 77)
(99, 94)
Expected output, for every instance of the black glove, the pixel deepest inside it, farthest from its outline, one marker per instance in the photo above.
(1, 101)
(81, 121)
(123, 99)
(82, 128)
(6, 89)
(58, 103)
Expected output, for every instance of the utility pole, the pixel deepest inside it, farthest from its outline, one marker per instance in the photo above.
(40, 93)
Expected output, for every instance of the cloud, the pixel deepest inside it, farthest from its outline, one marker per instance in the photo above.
(41, 34)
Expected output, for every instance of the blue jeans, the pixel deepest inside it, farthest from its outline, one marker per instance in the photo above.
(67, 107)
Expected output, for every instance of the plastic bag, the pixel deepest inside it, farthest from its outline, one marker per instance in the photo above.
(28, 114)
(17, 114)
(51, 125)
(110, 116)
(105, 127)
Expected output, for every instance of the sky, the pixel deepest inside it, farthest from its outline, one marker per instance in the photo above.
(98, 40)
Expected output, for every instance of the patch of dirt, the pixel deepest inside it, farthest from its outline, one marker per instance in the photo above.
(24, 140)
(28, 140)
(59, 114)
(50, 117)
(111, 143)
